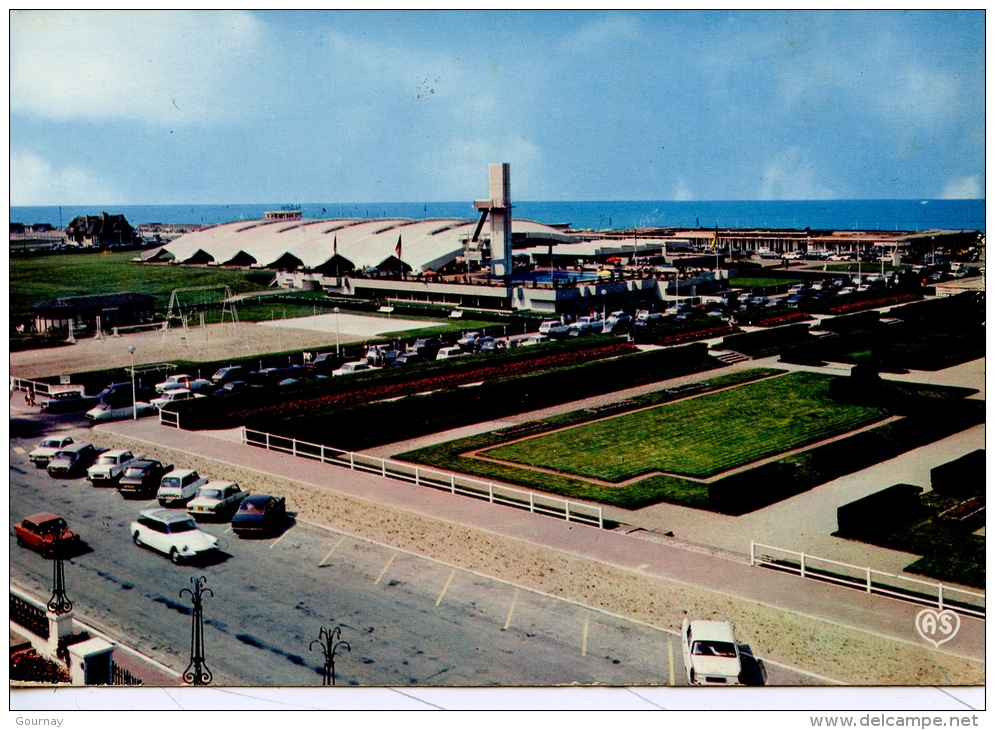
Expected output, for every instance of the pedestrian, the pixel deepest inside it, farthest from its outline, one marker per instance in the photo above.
(29, 397)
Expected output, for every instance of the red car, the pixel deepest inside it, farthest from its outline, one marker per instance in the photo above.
(44, 532)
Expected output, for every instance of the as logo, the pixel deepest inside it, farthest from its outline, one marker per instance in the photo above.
(937, 627)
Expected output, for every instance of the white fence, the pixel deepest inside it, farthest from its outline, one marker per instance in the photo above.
(453, 483)
(869, 580)
(41, 388)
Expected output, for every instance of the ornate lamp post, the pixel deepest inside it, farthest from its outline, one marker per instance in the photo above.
(329, 641)
(197, 672)
(59, 604)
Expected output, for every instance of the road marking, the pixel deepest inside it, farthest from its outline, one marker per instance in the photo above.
(18, 450)
(385, 568)
(152, 503)
(445, 588)
(670, 652)
(278, 540)
(583, 646)
(321, 562)
(511, 610)
(227, 530)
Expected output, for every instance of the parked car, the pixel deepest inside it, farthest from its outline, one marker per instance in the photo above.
(68, 401)
(426, 347)
(259, 514)
(448, 352)
(120, 394)
(325, 362)
(43, 452)
(554, 328)
(72, 461)
(171, 532)
(45, 532)
(172, 396)
(407, 358)
(233, 387)
(181, 380)
(228, 374)
(103, 412)
(141, 478)
(110, 465)
(528, 340)
(178, 487)
(349, 368)
(711, 653)
(467, 341)
(216, 499)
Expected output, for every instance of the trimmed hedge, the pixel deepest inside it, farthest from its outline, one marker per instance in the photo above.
(961, 477)
(764, 340)
(881, 512)
(363, 426)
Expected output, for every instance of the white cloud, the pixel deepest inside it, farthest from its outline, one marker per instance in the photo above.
(166, 67)
(683, 191)
(969, 187)
(791, 177)
(35, 181)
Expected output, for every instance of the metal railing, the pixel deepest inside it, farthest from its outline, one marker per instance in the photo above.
(869, 580)
(29, 616)
(169, 418)
(420, 476)
(41, 388)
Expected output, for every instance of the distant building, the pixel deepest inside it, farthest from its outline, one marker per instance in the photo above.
(114, 310)
(100, 231)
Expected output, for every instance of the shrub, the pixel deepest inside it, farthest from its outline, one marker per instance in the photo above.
(961, 477)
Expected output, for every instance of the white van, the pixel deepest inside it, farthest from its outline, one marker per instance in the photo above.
(447, 352)
(179, 487)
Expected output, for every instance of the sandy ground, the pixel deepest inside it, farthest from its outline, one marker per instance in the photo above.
(213, 342)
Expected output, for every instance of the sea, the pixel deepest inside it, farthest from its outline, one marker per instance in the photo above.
(881, 215)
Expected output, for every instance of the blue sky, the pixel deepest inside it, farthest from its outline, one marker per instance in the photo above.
(134, 107)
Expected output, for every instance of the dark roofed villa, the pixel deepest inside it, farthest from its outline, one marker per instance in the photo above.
(101, 230)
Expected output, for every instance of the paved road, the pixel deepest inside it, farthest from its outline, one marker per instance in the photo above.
(409, 621)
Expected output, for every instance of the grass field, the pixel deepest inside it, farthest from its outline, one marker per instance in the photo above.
(44, 278)
(697, 437)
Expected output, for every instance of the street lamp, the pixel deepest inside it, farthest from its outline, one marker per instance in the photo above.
(604, 304)
(134, 404)
(336, 310)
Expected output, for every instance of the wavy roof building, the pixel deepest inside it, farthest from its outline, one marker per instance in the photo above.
(341, 245)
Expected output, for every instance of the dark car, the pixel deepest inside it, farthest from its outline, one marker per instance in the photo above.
(72, 461)
(229, 374)
(118, 395)
(259, 514)
(69, 401)
(45, 532)
(407, 358)
(275, 376)
(141, 479)
(234, 386)
(426, 347)
(326, 362)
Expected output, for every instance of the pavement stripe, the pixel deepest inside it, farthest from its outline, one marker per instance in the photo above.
(272, 544)
(19, 450)
(385, 568)
(583, 645)
(445, 588)
(511, 610)
(670, 657)
(322, 561)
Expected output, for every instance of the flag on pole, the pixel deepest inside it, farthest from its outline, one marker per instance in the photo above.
(715, 239)
(397, 248)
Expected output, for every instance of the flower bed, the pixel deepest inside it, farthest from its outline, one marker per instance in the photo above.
(789, 318)
(871, 303)
(679, 338)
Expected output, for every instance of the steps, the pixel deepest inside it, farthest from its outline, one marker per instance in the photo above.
(729, 357)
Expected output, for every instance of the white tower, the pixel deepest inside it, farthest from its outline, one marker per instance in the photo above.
(499, 207)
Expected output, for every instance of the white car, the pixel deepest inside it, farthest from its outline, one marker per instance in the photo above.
(711, 653)
(110, 465)
(215, 499)
(447, 352)
(172, 396)
(172, 382)
(107, 412)
(179, 486)
(359, 366)
(554, 328)
(43, 453)
(171, 532)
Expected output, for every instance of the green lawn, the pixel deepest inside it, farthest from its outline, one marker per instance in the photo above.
(43, 278)
(697, 437)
